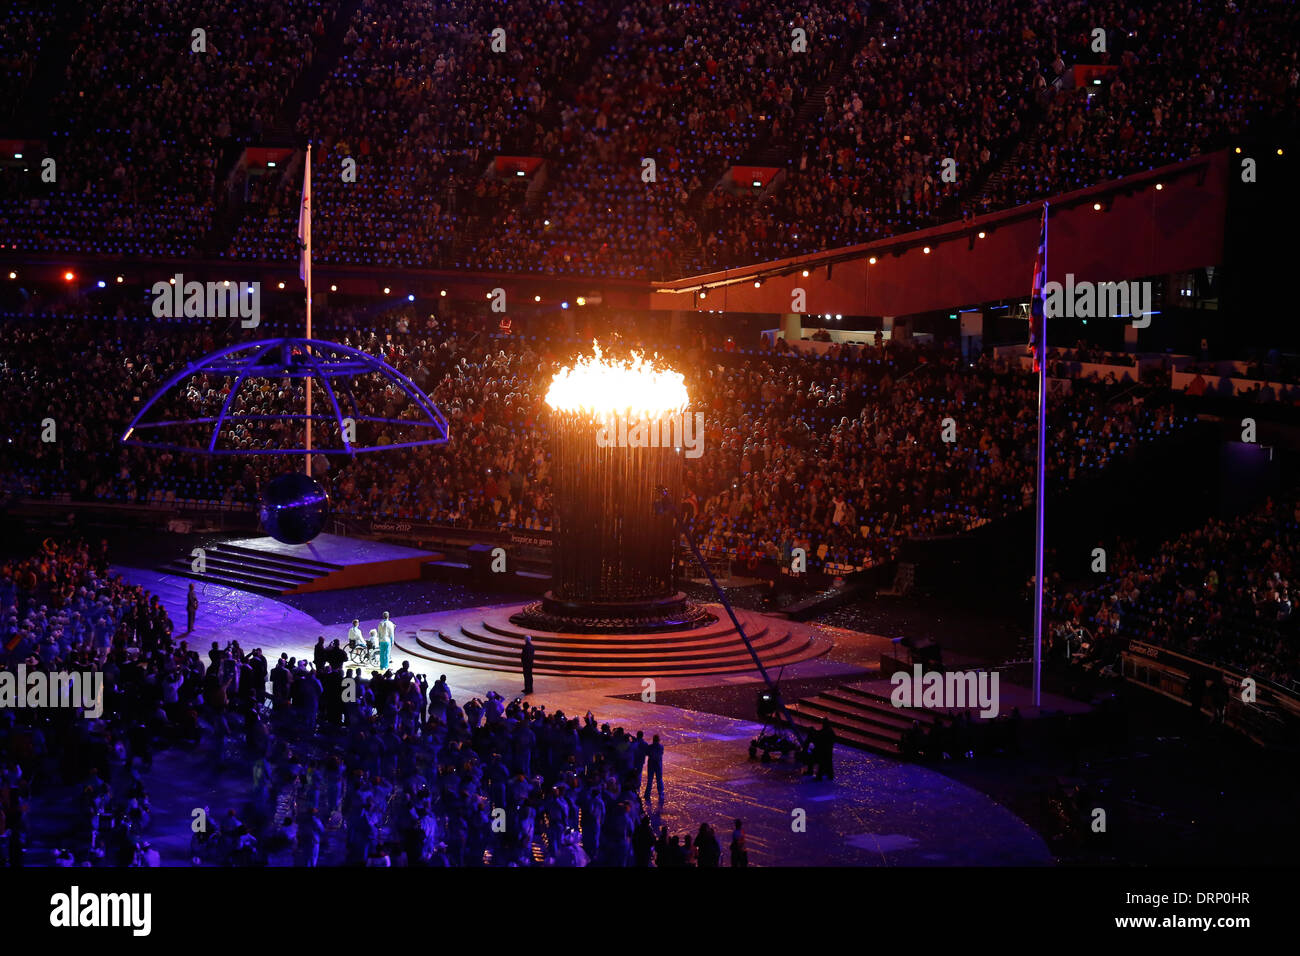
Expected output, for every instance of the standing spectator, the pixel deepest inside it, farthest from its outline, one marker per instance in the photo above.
(655, 767)
(643, 842)
(526, 659)
(191, 609)
(640, 749)
(707, 847)
(739, 851)
(823, 741)
(315, 833)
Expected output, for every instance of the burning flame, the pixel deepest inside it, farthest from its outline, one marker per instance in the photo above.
(633, 388)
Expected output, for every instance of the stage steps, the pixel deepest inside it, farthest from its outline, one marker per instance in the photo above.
(861, 718)
(250, 570)
(495, 644)
(273, 572)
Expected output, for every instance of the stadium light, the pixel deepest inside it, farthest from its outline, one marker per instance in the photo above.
(442, 292)
(69, 276)
(410, 297)
(1096, 207)
(13, 275)
(805, 273)
(537, 298)
(582, 300)
(120, 279)
(926, 250)
(981, 234)
(871, 261)
(387, 290)
(101, 283)
(1159, 186)
(281, 285)
(334, 288)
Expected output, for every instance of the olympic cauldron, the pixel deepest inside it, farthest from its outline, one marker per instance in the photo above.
(617, 437)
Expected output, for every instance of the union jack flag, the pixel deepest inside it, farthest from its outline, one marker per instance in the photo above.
(1037, 336)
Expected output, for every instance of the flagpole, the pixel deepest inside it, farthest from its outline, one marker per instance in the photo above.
(1040, 354)
(306, 192)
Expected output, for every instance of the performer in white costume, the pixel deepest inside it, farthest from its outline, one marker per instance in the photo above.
(386, 634)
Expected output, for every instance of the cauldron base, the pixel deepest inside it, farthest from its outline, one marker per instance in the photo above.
(673, 613)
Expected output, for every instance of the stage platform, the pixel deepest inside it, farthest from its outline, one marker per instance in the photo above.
(328, 563)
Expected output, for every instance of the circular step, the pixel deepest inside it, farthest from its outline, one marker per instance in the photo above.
(495, 644)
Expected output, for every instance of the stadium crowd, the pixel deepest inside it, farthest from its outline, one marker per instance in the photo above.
(65, 602)
(858, 126)
(397, 773)
(844, 457)
(1225, 591)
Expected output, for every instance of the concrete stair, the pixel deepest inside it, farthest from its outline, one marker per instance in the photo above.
(495, 644)
(861, 718)
(249, 570)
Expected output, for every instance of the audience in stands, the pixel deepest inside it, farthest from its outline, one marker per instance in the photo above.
(149, 134)
(1225, 591)
(842, 456)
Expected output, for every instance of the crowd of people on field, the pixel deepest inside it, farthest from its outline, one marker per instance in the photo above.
(377, 769)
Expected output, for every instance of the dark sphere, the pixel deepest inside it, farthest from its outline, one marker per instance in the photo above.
(294, 508)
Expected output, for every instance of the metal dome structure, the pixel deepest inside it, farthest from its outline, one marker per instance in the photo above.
(337, 368)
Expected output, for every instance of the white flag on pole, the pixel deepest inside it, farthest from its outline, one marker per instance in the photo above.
(304, 221)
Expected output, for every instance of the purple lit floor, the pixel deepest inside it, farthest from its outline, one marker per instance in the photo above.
(878, 812)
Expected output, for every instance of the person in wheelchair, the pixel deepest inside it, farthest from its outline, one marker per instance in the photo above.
(357, 647)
